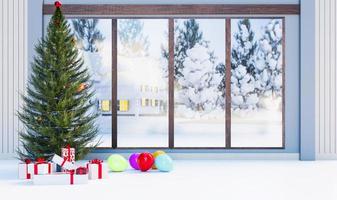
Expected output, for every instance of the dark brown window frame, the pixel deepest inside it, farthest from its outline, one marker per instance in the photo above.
(172, 12)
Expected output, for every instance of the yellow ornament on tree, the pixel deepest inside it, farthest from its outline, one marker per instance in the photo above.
(81, 87)
(39, 119)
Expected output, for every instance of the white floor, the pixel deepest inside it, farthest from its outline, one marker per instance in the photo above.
(202, 179)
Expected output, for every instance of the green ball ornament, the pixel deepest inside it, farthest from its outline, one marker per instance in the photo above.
(117, 163)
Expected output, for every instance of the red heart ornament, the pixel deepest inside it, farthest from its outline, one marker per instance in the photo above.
(145, 161)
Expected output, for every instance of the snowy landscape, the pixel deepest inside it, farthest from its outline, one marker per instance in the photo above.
(256, 82)
(199, 101)
(199, 91)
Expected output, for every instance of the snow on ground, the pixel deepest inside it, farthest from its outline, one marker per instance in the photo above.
(193, 179)
(247, 131)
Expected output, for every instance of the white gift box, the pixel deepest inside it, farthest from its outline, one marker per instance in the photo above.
(26, 171)
(60, 178)
(63, 162)
(42, 168)
(97, 171)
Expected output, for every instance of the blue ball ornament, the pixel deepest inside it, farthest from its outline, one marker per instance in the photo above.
(164, 163)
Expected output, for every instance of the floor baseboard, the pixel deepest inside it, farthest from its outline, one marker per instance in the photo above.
(215, 156)
(326, 156)
(9, 156)
(207, 156)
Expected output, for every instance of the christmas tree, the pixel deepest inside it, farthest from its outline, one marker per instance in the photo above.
(57, 105)
(243, 68)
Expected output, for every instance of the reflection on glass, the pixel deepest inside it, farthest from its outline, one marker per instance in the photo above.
(199, 83)
(142, 83)
(256, 83)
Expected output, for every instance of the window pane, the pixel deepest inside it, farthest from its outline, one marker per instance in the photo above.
(97, 51)
(256, 83)
(142, 83)
(199, 83)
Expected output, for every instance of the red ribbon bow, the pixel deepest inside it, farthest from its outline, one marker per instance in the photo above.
(28, 161)
(96, 161)
(81, 170)
(40, 160)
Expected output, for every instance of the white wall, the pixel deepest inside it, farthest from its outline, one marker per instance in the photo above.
(326, 74)
(12, 71)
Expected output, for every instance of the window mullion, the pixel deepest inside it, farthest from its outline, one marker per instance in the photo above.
(228, 83)
(171, 82)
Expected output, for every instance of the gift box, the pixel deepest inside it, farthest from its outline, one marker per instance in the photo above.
(63, 162)
(61, 178)
(68, 153)
(26, 169)
(97, 169)
(42, 167)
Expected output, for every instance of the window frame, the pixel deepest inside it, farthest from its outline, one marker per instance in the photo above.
(172, 12)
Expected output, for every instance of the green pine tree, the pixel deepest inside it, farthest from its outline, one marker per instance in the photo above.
(57, 109)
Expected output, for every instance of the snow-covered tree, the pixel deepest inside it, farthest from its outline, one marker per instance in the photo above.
(195, 71)
(243, 91)
(187, 36)
(87, 34)
(268, 69)
(130, 34)
(199, 81)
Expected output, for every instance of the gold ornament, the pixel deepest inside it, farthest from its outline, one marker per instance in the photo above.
(81, 87)
(39, 119)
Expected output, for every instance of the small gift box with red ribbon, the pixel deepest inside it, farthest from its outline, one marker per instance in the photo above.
(68, 153)
(75, 176)
(41, 166)
(63, 162)
(97, 169)
(28, 169)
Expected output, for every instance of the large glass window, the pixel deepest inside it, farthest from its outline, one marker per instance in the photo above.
(256, 83)
(198, 111)
(142, 83)
(199, 91)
